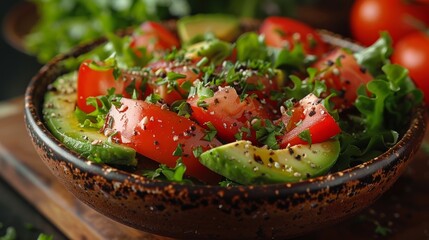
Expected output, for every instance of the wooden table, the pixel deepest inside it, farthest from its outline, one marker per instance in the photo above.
(402, 213)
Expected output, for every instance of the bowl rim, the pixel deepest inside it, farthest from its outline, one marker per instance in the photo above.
(34, 120)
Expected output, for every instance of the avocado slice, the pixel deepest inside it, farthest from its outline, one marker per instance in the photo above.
(215, 50)
(58, 113)
(224, 27)
(244, 163)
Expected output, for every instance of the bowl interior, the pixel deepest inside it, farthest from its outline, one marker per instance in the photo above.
(326, 194)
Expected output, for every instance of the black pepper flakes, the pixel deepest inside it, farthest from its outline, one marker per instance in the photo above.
(258, 159)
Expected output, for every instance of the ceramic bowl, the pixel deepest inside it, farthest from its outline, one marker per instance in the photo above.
(275, 211)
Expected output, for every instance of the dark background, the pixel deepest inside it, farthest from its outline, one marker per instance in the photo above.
(16, 67)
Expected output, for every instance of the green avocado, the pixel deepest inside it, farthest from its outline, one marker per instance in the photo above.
(215, 50)
(224, 27)
(244, 163)
(58, 113)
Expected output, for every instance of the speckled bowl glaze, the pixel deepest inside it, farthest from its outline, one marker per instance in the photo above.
(212, 212)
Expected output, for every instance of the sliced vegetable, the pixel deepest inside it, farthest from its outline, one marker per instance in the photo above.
(155, 132)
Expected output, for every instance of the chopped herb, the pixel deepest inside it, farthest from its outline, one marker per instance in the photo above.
(102, 105)
(10, 234)
(381, 230)
(175, 174)
(44, 236)
(228, 183)
(116, 73)
(173, 76)
(267, 132)
(182, 108)
(305, 136)
(210, 133)
(202, 62)
(197, 151)
(179, 151)
(289, 104)
(153, 98)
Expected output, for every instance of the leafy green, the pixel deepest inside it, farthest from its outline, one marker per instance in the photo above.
(381, 116)
(10, 234)
(178, 151)
(66, 24)
(251, 46)
(102, 105)
(376, 55)
(267, 132)
(305, 136)
(228, 183)
(182, 108)
(201, 91)
(44, 236)
(175, 174)
(210, 133)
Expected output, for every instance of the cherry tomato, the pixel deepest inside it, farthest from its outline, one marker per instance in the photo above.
(282, 32)
(309, 114)
(174, 90)
(156, 133)
(412, 52)
(369, 17)
(153, 36)
(340, 71)
(95, 81)
(228, 113)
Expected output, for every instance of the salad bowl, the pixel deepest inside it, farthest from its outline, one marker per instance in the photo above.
(177, 210)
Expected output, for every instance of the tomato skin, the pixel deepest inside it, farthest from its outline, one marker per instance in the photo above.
(369, 17)
(154, 37)
(228, 113)
(279, 31)
(94, 82)
(311, 115)
(155, 133)
(170, 96)
(345, 77)
(412, 52)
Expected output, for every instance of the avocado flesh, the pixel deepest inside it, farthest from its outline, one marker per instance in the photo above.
(58, 113)
(246, 164)
(215, 50)
(224, 27)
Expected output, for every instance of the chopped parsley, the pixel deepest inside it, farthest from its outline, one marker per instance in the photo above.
(305, 136)
(210, 133)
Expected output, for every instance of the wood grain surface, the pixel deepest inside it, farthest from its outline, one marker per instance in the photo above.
(402, 213)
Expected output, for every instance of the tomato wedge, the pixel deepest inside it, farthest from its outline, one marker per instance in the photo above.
(156, 133)
(309, 114)
(341, 72)
(154, 37)
(286, 32)
(95, 81)
(174, 89)
(228, 113)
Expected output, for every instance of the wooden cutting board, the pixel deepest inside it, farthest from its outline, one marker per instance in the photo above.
(403, 212)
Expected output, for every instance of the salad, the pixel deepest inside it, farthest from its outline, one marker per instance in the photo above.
(208, 102)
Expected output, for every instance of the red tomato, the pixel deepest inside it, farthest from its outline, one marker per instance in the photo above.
(369, 17)
(228, 113)
(341, 72)
(167, 93)
(153, 36)
(309, 114)
(412, 52)
(92, 82)
(282, 31)
(155, 133)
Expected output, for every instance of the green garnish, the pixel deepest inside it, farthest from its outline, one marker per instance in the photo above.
(210, 133)
(305, 136)
(175, 174)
